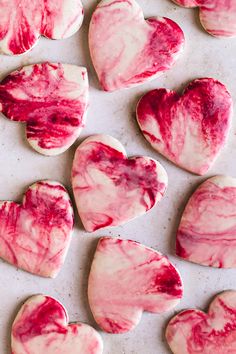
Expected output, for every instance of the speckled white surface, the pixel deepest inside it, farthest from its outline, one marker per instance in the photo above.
(113, 113)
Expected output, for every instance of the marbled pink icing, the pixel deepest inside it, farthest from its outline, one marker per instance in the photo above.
(188, 129)
(23, 21)
(41, 326)
(207, 231)
(127, 278)
(218, 17)
(52, 99)
(128, 50)
(36, 234)
(111, 189)
(194, 332)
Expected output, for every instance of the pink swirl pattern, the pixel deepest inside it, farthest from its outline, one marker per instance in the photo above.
(188, 129)
(127, 278)
(128, 50)
(41, 326)
(52, 100)
(23, 21)
(36, 234)
(193, 331)
(207, 231)
(111, 189)
(218, 17)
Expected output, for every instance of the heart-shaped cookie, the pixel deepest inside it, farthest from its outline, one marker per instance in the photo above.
(193, 331)
(128, 50)
(218, 17)
(52, 100)
(41, 326)
(111, 189)
(127, 278)
(207, 231)
(36, 234)
(22, 22)
(191, 129)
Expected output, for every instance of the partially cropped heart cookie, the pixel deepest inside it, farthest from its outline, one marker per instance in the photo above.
(207, 231)
(52, 100)
(127, 278)
(128, 50)
(218, 17)
(193, 331)
(41, 326)
(111, 189)
(36, 234)
(22, 22)
(188, 129)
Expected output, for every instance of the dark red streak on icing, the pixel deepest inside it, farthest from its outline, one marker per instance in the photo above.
(120, 188)
(35, 235)
(207, 231)
(128, 278)
(23, 21)
(213, 122)
(52, 210)
(162, 47)
(193, 331)
(158, 103)
(189, 129)
(34, 323)
(41, 326)
(111, 189)
(167, 281)
(128, 50)
(130, 173)
(216, 16)
(42, 99)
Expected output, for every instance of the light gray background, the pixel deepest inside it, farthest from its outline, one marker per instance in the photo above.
(113, 113)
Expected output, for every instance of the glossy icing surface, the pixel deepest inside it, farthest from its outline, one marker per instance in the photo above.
(193, 331)
(23, 21)
(127, 278)
(41, 326)
(218, 17)
(111, 189)
(207, 231)
(128, 50)
(52, 100)
(189, 129)
(36, 234)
